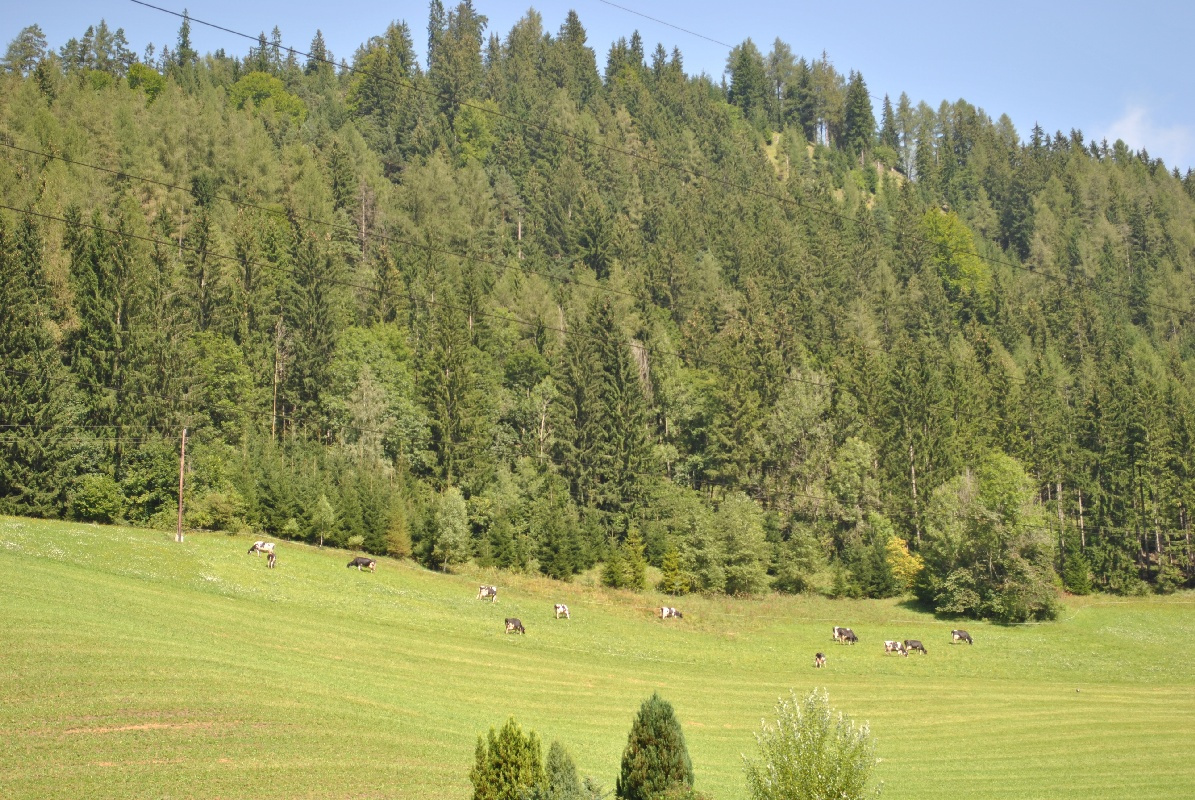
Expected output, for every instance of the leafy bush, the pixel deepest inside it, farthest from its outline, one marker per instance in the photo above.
(96, 498)
(809, 752)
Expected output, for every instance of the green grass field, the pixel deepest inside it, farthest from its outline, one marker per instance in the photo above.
(132, 666)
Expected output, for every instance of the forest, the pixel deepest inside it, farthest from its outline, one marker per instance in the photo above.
(491, 299)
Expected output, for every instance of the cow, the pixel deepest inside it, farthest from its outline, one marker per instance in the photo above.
(362, 561)
(515, 626)
(262, 547)
(894, 647)
(667, 611)
(819, 660)
(915, 644)
(485, 591)
(960, 636)
(562, 611)
(271, 560)
(845, 635)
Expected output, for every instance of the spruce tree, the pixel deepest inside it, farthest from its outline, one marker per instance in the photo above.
(655, 759)
(562, 782)
(507, 765)
(33, 395)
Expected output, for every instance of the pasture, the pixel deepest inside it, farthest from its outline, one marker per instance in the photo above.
(132, 666)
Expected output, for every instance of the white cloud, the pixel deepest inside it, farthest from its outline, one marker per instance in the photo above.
(1174, 144)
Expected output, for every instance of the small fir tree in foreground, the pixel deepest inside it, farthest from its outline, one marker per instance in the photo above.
(656, 759)
(811, 752)
(562, 782)
(508, 764)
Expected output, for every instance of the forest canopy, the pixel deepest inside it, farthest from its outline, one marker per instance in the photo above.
(492, 299)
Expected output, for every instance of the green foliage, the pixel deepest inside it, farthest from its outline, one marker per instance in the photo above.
(266, 93)
(967, 278)
(323, 518)
(561, 780)
(433, 293)
(452, 539)
(147, 79)
(507, 764)
(656, 758)
(987, 551)
(96, 498)
(1076, 572)
(809, 751)
(673, 579)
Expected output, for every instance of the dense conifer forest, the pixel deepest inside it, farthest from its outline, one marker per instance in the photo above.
(488, 297)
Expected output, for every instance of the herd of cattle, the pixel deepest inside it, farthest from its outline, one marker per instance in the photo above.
(900, 646)
(514, 625)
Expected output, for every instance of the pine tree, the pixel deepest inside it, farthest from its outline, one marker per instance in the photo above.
(633, 560)
(656, 758)
(25, 51)
(673, 579)
(34, 460)
(507, 764)
(562, 782)
(859, 123)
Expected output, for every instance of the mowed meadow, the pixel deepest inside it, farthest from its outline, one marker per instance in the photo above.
(132, 666)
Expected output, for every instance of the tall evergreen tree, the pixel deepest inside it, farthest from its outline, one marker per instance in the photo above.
(34, 418)
(656, 758)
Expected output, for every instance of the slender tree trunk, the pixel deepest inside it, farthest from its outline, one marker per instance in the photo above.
(1082, 533)
(277, 376)
(182, 461)
(913, 479)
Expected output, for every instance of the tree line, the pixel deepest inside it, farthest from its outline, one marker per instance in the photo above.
(497, 305)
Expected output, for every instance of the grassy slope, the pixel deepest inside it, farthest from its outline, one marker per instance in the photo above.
(134, 667)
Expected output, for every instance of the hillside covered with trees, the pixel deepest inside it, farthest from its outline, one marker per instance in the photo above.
(489, 297)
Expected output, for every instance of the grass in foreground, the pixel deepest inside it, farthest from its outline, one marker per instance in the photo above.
(131, 666)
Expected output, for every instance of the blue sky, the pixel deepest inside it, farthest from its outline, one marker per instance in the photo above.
(1111, 69)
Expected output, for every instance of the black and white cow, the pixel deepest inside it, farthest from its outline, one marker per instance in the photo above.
(845, 635)
(271, 560)
(262, 547)
(515, 626)
(819, 660)
(960, 636)
(668, 611)
(915, 644)
(362, 561)
(894, 647)
(485, 591)
(562, 611)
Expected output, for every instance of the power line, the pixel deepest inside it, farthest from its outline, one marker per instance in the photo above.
(412, 299)
(335, 225)
(504, 318)
(669, 24)
(656, 162)
(648, 159)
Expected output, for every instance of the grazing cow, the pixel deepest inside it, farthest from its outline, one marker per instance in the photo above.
(819, 660)
(515, 626)
(362, 561)
(667, 612)
(961, 636)
(845, 635)
(894, 647)
(485, 591)
(271, 560)
(562, 611)
(915, 644)
(262, 547)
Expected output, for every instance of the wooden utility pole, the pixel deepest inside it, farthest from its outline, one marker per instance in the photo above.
(182, 461)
